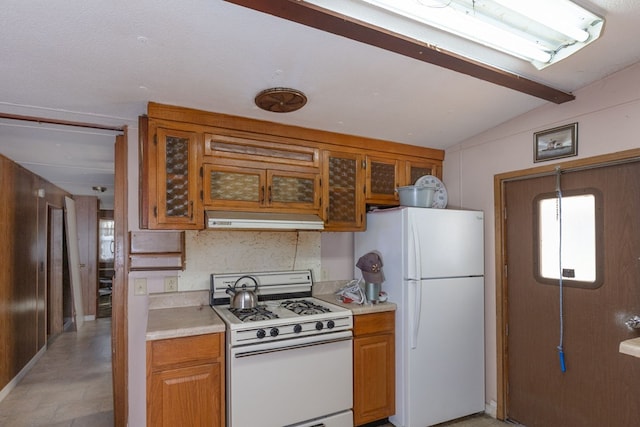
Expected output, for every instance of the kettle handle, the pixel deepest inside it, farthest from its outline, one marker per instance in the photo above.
(255, 283)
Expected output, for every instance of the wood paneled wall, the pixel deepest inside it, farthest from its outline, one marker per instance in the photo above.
(23, 257)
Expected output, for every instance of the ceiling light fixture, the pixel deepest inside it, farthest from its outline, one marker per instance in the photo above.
(280, 100)
(541, 32)
(99, 189)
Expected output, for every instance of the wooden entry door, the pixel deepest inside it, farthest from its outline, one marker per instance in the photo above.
(600, 386)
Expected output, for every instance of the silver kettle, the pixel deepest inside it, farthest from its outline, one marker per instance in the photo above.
(243, 297)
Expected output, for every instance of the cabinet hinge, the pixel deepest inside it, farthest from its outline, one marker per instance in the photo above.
(155, 139)
(364, 164)
(155, 211)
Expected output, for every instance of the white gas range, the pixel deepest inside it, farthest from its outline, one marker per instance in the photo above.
(289, 360)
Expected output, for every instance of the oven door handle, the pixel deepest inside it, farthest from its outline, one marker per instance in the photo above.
(290, 347)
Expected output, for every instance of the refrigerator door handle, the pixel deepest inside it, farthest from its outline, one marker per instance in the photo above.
(417, 309)
(415, 256)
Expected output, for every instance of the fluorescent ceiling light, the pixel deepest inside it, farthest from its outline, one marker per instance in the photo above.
(539, 31)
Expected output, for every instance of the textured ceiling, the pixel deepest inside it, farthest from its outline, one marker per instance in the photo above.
(101, 62)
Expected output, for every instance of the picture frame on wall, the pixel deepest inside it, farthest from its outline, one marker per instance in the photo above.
(556, 143)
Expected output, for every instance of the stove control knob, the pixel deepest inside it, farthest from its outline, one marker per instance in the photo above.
(319, 326)
(330, 324)
(297, 329)
(261, 333)
(274, 332)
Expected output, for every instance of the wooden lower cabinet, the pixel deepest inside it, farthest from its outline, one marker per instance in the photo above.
(185, 381)
(374, 367)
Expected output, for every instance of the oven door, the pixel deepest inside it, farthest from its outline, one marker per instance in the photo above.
(289, 382)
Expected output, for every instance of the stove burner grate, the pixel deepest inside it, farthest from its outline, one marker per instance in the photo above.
(304, 307)
(255, 314)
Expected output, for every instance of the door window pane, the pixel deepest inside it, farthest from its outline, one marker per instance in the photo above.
(580, 230)
(107, 244)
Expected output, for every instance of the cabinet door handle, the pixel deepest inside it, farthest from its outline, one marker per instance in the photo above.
(191, 210)
(269, 191)
(262, 194)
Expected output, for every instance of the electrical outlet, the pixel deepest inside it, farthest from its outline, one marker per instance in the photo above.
(171, 284)
(140, 286)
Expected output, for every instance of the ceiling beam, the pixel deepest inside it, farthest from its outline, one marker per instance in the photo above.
(45, 120)
(335, 23)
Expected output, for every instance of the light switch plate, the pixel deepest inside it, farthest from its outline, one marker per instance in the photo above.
(140, 286)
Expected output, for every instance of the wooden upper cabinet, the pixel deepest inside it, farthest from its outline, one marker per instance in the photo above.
(170, 181)
(245, 171)
(383, 177)
(343, 191)
(192, 161)
(246, 188)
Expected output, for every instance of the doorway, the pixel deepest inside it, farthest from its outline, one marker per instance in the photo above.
(597, 386)
(106, 255)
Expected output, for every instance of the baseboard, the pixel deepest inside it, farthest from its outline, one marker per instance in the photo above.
(14, 382)
(491, 409)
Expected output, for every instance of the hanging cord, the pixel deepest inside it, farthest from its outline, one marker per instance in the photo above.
(563, 367)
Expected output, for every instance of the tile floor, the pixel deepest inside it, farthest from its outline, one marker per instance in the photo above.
(472, 421)
(70, 386)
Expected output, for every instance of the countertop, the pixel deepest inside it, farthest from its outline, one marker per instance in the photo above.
(357, 309)
(631, 347)
(182, 321)
(173, 322)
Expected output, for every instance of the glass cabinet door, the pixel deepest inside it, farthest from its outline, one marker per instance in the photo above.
(240, 187)
(228, 186)
(293, 190)
(343, 192)
(177, 179)
(382, 180)
(415, 170)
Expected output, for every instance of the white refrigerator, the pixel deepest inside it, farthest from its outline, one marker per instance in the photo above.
(433, 266)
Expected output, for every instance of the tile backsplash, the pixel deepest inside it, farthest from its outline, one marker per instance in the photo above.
(218, 251)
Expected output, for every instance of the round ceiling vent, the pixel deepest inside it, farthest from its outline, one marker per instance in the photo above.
(281, 100)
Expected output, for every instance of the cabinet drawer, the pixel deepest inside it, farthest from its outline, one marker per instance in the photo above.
(374, 323)
(185, 350)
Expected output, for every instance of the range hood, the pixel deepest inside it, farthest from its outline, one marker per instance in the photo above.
(262, 221)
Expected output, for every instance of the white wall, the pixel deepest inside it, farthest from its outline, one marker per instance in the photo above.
(608, 116)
